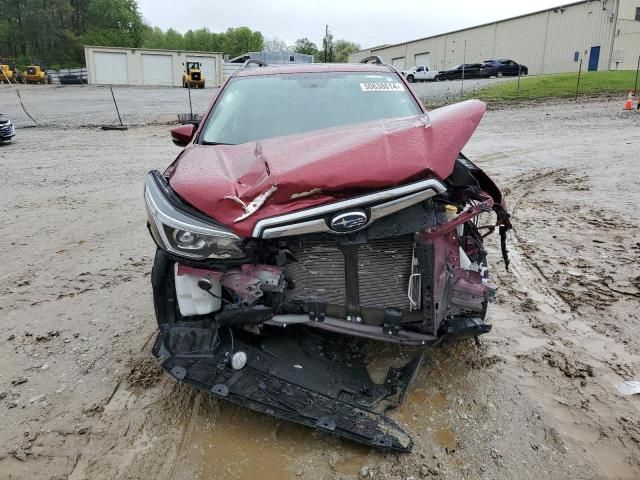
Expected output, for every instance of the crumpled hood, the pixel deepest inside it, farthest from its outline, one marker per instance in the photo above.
(304, 170)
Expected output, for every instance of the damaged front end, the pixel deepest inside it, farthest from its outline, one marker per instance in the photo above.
(272, 305)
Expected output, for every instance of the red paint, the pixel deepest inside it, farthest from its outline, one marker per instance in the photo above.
(183, 134)
(343, 162)
(198, 272)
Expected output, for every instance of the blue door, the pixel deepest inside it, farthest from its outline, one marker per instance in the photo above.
(594, 57)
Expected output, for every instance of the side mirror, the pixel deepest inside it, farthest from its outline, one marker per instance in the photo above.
(183, 134)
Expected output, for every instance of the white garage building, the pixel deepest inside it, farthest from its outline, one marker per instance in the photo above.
(140, 66)
(604, 34)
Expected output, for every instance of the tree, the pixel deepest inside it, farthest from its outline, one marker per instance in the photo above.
(115, 23)
(342, 50)
(306, 46)
(174, 40)
(326, 54)
(242, 40)
(54, 31)
(275, 45)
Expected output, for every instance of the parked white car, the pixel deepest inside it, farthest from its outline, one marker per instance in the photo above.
(420, 73)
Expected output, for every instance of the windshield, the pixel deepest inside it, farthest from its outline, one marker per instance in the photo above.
(255, 108)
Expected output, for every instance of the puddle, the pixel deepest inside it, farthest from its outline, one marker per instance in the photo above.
(240, 444)
(244, 445)
(421, 404)
(447, 440)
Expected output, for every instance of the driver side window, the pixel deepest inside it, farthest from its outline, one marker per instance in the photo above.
(420, 69)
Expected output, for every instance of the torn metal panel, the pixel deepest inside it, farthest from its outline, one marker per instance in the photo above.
(252, 207)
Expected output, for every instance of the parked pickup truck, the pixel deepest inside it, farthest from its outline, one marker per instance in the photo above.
(420, 73)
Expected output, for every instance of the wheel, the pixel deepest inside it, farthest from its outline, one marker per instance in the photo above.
(499, 74)
(437, 79)
(410, 79)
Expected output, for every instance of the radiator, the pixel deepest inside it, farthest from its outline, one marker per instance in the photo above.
(384, 267)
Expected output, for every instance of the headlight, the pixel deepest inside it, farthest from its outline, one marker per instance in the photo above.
(182, 234)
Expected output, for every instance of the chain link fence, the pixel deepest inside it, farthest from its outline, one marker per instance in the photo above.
(585, 80)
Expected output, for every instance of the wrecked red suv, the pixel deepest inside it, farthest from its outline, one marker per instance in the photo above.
(315, 210)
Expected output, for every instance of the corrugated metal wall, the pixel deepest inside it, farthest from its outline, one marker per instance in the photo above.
(546, 42)
(626, 49)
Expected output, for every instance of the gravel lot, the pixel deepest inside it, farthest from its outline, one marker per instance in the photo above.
(80, 397)
(64, 106)
(67, 106)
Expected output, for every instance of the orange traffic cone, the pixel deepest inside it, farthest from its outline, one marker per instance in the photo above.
(629, 103)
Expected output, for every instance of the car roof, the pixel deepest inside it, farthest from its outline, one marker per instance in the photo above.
(313, 68)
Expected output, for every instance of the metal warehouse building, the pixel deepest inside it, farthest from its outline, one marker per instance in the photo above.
(604, 34)
(139, 66)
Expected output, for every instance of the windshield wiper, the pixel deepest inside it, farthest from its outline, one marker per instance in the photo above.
(204, 142)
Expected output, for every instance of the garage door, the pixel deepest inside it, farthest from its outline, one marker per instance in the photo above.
(424, 59)
(157, 69)
(209, 69)
(398, 63)
(111, 68)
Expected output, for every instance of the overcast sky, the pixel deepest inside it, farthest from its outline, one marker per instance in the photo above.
(367, 22)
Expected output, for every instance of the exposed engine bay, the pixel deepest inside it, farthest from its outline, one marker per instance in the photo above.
(407, 266)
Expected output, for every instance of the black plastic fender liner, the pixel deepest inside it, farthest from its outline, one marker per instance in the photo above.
(286, 382)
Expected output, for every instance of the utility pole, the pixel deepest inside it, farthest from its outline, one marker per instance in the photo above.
(326, 42)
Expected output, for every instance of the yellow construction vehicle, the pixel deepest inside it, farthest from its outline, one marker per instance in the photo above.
(8, 71)
(35, 73)
(193, 77)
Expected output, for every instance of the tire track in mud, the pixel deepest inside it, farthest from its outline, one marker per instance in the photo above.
(579, 398)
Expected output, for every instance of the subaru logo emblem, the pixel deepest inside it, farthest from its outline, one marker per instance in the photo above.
(348, 222)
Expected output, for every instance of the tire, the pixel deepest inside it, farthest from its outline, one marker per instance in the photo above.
(499, 74)
(410, 79)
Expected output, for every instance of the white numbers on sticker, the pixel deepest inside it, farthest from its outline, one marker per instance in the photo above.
(382, 87)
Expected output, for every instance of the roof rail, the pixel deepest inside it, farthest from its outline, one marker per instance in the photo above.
(372, 59)
(254, 61)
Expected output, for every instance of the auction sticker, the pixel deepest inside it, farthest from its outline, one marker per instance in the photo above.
(382, 87)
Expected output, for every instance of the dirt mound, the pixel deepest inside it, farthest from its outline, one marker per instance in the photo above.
(144, 371)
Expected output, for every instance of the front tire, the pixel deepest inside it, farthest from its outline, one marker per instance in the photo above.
(410, 79)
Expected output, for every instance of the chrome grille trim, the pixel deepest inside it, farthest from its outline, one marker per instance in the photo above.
(401, 197)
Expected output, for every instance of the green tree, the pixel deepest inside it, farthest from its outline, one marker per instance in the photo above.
(342, 50)
(115, 23)
(306, 46)
(242, 40)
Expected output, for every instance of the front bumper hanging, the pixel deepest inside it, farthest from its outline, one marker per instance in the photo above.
(319, 380)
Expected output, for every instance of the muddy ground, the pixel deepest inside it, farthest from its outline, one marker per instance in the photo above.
(82, 399)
